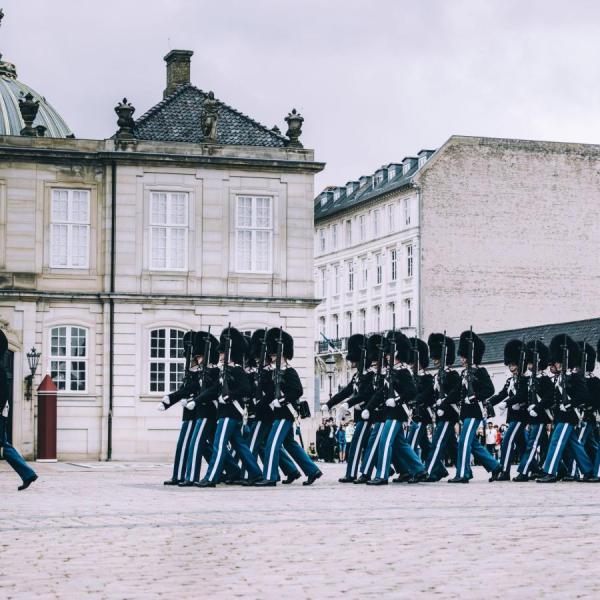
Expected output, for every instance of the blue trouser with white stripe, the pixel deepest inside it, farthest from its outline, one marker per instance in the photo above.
(282, 434)
(11, 455)
(229, 430)
(469, 444)
(369, 459)
(443, 437)
(564, 436)
(201, 444)
(514, 437)
(358, 444)
(586, 435)
(181, 452)
(536, 438)
(393, 441)
(256, 436)
(417, 438)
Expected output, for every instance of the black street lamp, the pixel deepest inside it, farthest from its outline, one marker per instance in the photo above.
(33, 358)
(329, 369)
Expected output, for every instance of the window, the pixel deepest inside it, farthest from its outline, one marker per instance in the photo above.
(334, 237)
(322, 240)
(254, 234)
(69, 229)
(376, 318)
(378, 268)
(391, 173)
(362, 227)
(68, 358)
(168, 230)
(336, 327)
(408, 312)
(348, 232)
(407, 211)
(409, 260)
(350, 276)
(375, 223)
(167, 362)
(365, 273)
(363, 320)
(394, 264)
(336, 279)
(392, 315)
(323, 283)
(391, 209)
(321, 324)
(349, 323)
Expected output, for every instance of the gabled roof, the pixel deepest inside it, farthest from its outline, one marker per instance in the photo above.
(578, 330)
(178, 118)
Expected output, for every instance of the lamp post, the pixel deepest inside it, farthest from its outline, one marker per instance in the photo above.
(33, 358)
(329, 369)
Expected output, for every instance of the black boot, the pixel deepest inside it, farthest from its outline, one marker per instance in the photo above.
(264, 483)
(185, 484)
(27, 482)
(496, 473)
(312, 478)
(547, 479)
(377, 481)
(361, 479)
(205, 484)
(347, 479)
(458, 479)
(171, 482)
(422, 476)
(521, 477)
(402, 478)
(291, 478)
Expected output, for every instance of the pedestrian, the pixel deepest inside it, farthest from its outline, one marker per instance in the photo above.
(490, 438)
(341, 442)
(9, 452)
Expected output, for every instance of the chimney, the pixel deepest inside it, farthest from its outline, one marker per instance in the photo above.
(178, 70)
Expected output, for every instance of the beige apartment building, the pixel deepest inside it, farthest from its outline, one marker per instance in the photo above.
(193, 215)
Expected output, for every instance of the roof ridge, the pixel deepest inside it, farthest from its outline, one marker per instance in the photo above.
(153, 109)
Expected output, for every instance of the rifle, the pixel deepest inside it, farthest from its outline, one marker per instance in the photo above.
(187, 350)
(470, 360)
(226, 359)
(392, 352)
(520, 365)
(207, 348)
(262, 359)
(534, 374)
(362, 363)
(277, 371)
(583, 356)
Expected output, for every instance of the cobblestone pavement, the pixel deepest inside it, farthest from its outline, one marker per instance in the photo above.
(113, 531)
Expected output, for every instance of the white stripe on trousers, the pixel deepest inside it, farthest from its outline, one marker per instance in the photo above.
(437, 448)
(387, 447)
(464, 450)
(252, 444)
(415, 436)
(219, 449)
(357, 452)
(581, 432)
(509, 446)
(183, 452)
(533, 450)
(557, 449)
(373, 449)
(272, 448)
(195, 454)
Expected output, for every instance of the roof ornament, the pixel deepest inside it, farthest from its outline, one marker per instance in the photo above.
(29, 109)
(294, 121)
(125, 121)
(209, 117)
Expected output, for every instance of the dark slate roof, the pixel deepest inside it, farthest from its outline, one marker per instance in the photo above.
(578, 330)
(362, 194)
(177, 118)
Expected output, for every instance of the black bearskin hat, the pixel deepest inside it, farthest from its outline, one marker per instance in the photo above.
(3, 343)
(188, 342)
(355, 345)
(598, 351)
(256, 340)
(556, 350)
(512, 352)
(403, 347)
(423, 351)
(543, 353)
(238, 344)
(435, 343)
(590, 357)
(200, 345)
(286, 338)
(478, 346)
(373, 344)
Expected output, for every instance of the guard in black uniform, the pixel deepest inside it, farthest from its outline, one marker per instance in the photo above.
(513, 398)
(234, 387)
(540, 394)
(355, 395)
(446, 390)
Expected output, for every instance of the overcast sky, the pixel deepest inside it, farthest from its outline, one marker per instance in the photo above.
(375, 80)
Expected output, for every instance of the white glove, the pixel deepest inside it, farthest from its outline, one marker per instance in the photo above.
(191, 405)
(469, 399)
(222, 399)
(166, 400)
(438, 402)
(515, 407)
(501, 407)
(344, 407)
(325, 408)
(563, 408)
(161, 407)
(390, 402)
(439, 412)
(184, 402)
(275, 404)
(365, 415)
(531, 410)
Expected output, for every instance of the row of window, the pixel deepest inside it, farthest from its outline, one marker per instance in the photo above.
(168, 231)
(369, 272)
(69, 359)
(367, 321)
(373, 224)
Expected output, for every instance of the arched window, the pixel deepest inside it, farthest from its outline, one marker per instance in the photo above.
(167, 362)
(69, 357)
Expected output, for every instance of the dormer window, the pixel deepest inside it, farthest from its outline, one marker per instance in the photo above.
(378, 179)
(391, 173)
(336, 194)
(422, 160)
(406, 167)
(349, 189)
(323, 200)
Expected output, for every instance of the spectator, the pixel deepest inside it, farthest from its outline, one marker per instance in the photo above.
(312, 451)
(490, 439)
(341, 444)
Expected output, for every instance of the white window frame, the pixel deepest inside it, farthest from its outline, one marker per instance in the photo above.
(409, 260)
(69, 358)
(169, 385)
(377, 318)
(71, 225)
(393, 264)
(408, 312)
(321, 325)
(391, 314)
(323, 279)
(334, 236)
(376, 222)
(362, 313)
(170, 226)
(254, 228)
(322, 241)
(349, 322)
(364, 273)
(362, 228)
(350, 271)
(348, 232)
(391, 217)
(407, 211)
(336, 279)
(335, 327)
(378, 268)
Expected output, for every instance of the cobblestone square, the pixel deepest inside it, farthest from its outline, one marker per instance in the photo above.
(113, 531)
